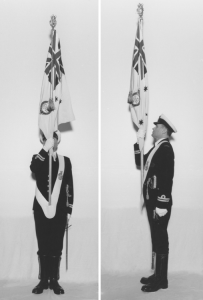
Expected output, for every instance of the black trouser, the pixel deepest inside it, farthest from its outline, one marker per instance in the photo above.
(158, 227)
(50, 233)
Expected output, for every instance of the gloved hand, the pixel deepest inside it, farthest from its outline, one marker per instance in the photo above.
(141, 134)
(48, 144)
(140, 138)
(161, 211)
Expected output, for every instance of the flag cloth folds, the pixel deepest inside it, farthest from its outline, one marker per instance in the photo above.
(139, 95)
(55, 104)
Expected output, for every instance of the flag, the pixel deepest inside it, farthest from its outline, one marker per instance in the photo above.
(139, 94)
(55, 104)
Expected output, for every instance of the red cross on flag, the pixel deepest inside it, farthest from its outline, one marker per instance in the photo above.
(139, 95)
(55, 103)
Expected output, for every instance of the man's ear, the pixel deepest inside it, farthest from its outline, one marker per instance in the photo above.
(164, 129)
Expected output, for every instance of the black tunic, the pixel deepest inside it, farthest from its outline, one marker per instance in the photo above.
(162, 167)
(50, 232)
(157, 191)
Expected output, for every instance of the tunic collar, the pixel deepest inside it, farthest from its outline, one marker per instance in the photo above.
(157, 142)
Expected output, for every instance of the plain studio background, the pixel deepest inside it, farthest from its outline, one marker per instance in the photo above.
(173, 36)
(24, 32)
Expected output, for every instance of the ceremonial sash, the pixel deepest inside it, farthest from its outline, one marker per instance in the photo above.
(50, 210)
(148, 162)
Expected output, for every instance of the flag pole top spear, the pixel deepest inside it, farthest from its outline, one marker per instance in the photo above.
(140, 10)
(53, 21)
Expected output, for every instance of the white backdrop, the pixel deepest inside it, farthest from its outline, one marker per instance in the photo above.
(24, 33)
(174, 53)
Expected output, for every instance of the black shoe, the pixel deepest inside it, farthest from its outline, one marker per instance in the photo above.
(42, 285)
(55, 286)
(148, 280)
(157, 285)
(160, 281)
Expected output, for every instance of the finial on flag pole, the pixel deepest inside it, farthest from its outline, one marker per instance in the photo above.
(140, 10)
(53, 22)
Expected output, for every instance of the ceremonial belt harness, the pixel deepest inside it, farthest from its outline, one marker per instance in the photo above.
(50, 210)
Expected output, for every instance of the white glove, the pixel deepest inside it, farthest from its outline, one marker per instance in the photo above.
(141, 134)
(48, 144)
(161, 211)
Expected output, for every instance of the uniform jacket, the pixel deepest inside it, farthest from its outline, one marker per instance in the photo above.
(158, 183)
(40, 167)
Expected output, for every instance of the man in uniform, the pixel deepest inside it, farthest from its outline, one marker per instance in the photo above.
(50, 229)
(157, 189)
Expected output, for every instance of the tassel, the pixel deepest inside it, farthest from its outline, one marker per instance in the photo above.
(51, 106)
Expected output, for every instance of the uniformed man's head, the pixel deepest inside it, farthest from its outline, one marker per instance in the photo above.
(163, 129)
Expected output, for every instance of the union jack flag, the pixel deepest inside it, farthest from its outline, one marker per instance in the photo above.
(55, 103)
(54, 61)
(139, 95)
(139, 55)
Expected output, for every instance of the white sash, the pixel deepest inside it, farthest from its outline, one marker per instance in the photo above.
(50, 210)
(148, 162)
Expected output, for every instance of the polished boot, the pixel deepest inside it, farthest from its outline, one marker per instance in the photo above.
(153, 260)
(43, 275)
(54, 275)
(161, 280)
(150, 279)
(147, 280)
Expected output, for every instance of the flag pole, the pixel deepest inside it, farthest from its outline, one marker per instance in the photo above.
(67, 247)
(140, 11)
(50, 173)
(142, 176)
(53, 24)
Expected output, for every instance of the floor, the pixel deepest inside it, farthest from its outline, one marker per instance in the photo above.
(181, 286)
(22, 290)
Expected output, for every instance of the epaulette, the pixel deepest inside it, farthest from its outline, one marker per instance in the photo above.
(40, 157)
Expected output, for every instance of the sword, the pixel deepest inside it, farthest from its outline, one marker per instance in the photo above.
(67, 227)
